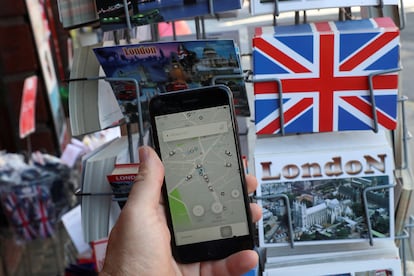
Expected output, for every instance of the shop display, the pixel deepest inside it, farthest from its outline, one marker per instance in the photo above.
(324, 69)
(112, 14)
(34, 194)
(322, 154)
(325, 177)
(170, 66)
(99, 210)
(92, 105)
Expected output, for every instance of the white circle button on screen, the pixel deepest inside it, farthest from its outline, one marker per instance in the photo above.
(217, 207)
(198, 210)
(235, 193)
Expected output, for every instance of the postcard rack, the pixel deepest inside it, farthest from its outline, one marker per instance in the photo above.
(402, 235)
(375, 126)
(371, 93)
(364, 201)
(402, 238)
(140, 122)
(139, 112)
(199, 24)
(405, 234)
(405, 134)
(139, 108)
(280, 98)
(288, 210)
(249, 78)
(200, 33)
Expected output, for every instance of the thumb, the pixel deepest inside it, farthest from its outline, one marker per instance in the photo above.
(146, 190)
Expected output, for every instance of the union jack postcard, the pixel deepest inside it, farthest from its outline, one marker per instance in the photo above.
(332, 76)
(337, 189)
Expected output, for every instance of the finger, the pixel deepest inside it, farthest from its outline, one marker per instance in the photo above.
(256, 212)
(255, 209)
(251, 183)
(146, 190)
(236, 264)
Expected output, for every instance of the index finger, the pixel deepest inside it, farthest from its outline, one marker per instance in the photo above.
(251, 182)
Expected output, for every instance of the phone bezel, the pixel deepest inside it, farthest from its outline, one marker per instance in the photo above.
(192, 99)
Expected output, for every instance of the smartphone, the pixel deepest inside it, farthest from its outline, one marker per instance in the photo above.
(195, 134)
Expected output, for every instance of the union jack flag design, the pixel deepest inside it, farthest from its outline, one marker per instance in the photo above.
(324, 71)
(30, 210)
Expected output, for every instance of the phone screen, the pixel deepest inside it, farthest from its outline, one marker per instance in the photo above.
(202, 174)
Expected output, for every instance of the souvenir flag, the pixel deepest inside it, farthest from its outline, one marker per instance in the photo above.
(18, 215)
(43, 212)
(325, 70)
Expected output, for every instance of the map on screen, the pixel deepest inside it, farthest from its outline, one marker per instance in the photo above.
(202, 174)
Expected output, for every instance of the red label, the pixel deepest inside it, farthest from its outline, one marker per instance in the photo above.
(27, 110)
(125, 177)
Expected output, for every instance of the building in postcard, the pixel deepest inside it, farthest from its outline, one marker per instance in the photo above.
(333, 186)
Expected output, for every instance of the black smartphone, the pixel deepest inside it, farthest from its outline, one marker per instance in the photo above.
(195, 134)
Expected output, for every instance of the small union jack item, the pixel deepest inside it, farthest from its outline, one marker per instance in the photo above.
(44, 212)
(17, 211)
(30, 211)
(326, 76)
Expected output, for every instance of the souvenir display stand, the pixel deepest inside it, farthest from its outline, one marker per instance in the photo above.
(33, 199)
(334, 177)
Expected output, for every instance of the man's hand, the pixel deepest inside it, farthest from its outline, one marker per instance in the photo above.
(139, 243)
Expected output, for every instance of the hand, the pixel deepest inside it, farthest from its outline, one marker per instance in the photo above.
(139, 243)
